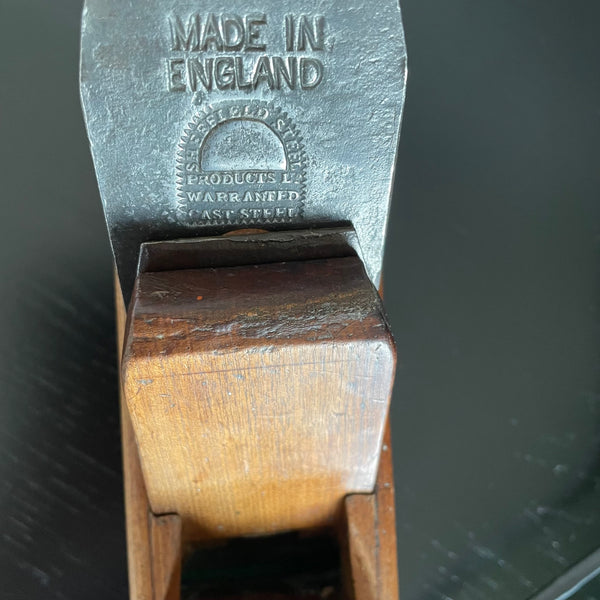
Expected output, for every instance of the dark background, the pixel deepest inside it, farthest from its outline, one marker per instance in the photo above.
(491, 284)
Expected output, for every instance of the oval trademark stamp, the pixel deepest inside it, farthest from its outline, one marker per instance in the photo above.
(240, 163)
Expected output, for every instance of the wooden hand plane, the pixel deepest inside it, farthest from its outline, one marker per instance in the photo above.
(245, 156)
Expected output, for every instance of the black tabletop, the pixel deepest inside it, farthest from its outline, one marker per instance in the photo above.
(491, 284)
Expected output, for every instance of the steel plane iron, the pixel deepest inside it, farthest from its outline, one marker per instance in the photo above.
(206, 117)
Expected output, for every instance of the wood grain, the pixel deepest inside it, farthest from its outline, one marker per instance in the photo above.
(369, 537)
(153, 542)
(137, 508)
(367, 520)
(165, 536)
(258, 394)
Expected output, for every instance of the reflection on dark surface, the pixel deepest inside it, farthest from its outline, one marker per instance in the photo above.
(491, 285)
(583, 574)
(61, 507)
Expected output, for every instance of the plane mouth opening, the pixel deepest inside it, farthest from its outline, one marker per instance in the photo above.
(243, 145)
(285, 566)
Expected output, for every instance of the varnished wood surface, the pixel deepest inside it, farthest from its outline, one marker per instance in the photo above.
(154, 543)
(137, 511)
(342, 300)
(166, 544)
(369, 536)
(258, 394)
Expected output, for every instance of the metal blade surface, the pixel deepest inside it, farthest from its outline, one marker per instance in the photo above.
(205, 117)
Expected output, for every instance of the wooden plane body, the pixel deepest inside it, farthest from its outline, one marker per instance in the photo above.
(255, 396)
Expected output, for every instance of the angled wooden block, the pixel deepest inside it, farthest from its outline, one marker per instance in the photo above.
(258, 394)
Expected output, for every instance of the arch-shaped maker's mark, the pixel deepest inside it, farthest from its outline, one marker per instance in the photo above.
(240, 163)
(243, 145)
